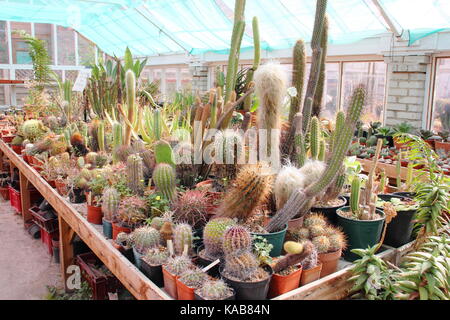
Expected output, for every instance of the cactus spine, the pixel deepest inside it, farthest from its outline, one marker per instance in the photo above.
(110, 203)
(145, 238)
(340, 122)
(215, 290)
(135, 174)
(182, 235)
(299, 200)
(130, 84)
(236, 239)
(178, 265)
(213, 236)
(164, 178)
(242, 266)
(194, 278)
(101, 136)
(298, 77)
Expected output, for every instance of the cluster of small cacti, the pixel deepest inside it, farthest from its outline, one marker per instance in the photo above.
(324, 236)
(193, 278)
(33, 130)
(182, 237)
(156, 256)
(192, 207)
(213, 236)
(145, 238)
(214, 290)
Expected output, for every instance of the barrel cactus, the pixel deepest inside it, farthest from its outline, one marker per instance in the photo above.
(156, 257)
(145, 238)
(194, 278)
(33, 130)
(214, 290)
(178, 265)
(242, 266)
(237, 239)
(164, 177)
(182, 236)
(321, 243)
(213, 236)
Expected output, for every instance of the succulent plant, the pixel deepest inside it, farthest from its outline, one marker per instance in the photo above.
(33, 130)
(312, 259)
(145, 238)
(300, 233)
(131, 211)
(156, 256)
(135, 174)
(322, 244)
(213, 236)
(214, 290)
(110, 203)
(193, 278)
(164, 177)
(236, 239)
(316, 230)
(182, 236)
(178, 265)
(191, 207)
(242, 266)
(315, 220)
(337, 241)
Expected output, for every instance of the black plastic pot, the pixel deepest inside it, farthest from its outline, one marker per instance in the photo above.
(330, 212)
(77, 196)
(45, 206)
(107, 228)
(203, 262)
(198, 242)
(128, 253)
(399, 230)
(410, 195)
(154, 273)
(35, 231)
(250, 290)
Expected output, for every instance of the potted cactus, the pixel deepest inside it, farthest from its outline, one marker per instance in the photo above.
(143, 239)
(152, 262)
(172, 270)
(214, 290)
(110, 207)
(96, 186)
(131, 213)
(190, 281)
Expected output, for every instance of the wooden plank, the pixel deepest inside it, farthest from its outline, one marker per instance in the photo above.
(66, 250)
(135, 281)
(25, 198)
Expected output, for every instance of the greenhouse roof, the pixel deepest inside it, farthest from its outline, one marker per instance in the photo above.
(152, 27)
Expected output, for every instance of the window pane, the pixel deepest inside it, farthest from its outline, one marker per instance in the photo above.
(66, 46)
(3, 43)
(373, 76)
(19, 46)
(441, 110)
(44, 31)
(86, 51)
(171, 82)
(186, 79)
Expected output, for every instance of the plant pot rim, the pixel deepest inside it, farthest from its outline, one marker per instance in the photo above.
(265, 234)
(347, 208)
(266, 268)
(300, 269)
(331, 255)
(318, 266)
(335, 207)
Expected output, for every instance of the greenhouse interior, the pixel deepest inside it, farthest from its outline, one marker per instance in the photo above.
(224, 150)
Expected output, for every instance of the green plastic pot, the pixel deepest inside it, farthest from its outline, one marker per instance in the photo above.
(360, 234)
(276, 239)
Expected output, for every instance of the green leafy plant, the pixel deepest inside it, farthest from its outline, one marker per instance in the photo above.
(262, 249)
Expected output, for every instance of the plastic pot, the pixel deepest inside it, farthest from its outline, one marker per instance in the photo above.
(4, 191)
(183, 291)
(154, 273)
(410, 195)
(94, 214)
(276, 239)
(330, 212)
(61, 187)
(137, 258)
(329, 262)
(116, 229)
(281, 284)
(204, 262)
(361, 234)
(250, 290)
(107, 228)
(77, 196)
(295, 223)
(170, 283)
(311, 275)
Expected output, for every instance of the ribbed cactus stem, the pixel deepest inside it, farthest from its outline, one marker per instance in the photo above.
(298, 77)
(322, 150)
(213, 115)
(340, 122)
(306, 113)
(164, 177)
(383, 181)
(237, 239)
(110, 203)
(117, 130)
(409, 176)
(135, 174)
(157, 124)
(315, 138)
(182, 236)
(101, 136)
(256, 61)
(299, 200)
(319, 21)
(130, 84)
(355, 195)
(318, 97)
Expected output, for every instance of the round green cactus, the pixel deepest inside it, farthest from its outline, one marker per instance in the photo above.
(214, 290)
(316, 230)
(145, 238)
(33, 129)
(313, 220)
(194, 278)
(164, 177)
(242, 266)
(213, 236)
(178, 265)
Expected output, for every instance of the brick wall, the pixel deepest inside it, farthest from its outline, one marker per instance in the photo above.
(406, 89)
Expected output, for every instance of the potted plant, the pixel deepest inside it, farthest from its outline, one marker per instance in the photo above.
(131, 213)
(214, 290)
(96, 185)
(143, 239)
(152, 262)
(17, 144)
(443, 145)
(123, 243)
(401, 128)
(110, 206)
(311, 267)
(172, 270)
(190, 281)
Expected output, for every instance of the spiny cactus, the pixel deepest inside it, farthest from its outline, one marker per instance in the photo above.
(316, 230)
(110, 203)
(318, 97)
(144, 238)
(192, 207)
(135, 174)
(182, 236)
(322, 244)
(256, 62)
(101, 136)
(242, 266)
(117, 133)
(297, 253)
(298, 77)
(91, 158)
(288, 179)
(178, 265)
(311, 260)
(315, 138)
(194, 278)
(340, 122)
(156, 257)
(301, 233)
(355, 195)
(130, 84)
(337, 241)
(237, 239)
(164, 178)
(214, 290)
(33, 130)
(250, 189)
(314, 220)
(300, 199)
(229, 149)
(213, 236)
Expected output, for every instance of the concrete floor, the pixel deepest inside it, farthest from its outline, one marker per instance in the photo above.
(26, 268)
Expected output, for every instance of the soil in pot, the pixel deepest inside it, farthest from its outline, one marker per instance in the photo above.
(329, 262)
(94, 214)
(107, 228)
(310, 275)
(287, 281)
(361, 234)
(276, 239)
(329, 211)
(154, 273)
(250, 290)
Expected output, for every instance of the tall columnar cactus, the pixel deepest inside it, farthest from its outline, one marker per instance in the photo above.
(110, 203)
(164, 178)
(383, 181)
(130, 84)
(242, 266)
(229, 151)
(101, 136)
(117, 131)
(299, 200)
(318, 97)
(355, 195)
(145, 238)
(298, 77)
(256, 62)
(250, 189)
(340, 122)
(270, 82)
(316, 60)
(213, 236)
(237, 239)
(135, 174)
(315, 138)
(182, 236)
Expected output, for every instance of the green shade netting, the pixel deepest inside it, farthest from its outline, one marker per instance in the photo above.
(152, 27)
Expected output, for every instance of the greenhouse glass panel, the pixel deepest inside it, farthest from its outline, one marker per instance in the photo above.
(66, 46)
(44, 31)
(86, 51)
(186, 79)
(19, 46)
(3, 43)
(441, 110)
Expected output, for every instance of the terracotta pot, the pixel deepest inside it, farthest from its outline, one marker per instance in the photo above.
(295, 223)
(311, 275)
(183, 291)
(61, 187)
(170, 283)
(36, 164)
(7, 139)
(281, 284)
(17, 149)
(118, 229)
(94, 214)
(442, 146)
(329, 262)
(52, 183)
